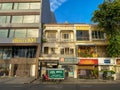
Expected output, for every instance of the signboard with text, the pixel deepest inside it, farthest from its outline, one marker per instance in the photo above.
(56, 73)
(68, 61)
(88, 61)
(24, 40)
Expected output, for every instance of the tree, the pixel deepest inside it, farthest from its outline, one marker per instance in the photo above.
(108, 18)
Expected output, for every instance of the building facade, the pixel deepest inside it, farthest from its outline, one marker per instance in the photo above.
(78, 48)
(20, 35)
(58, 44)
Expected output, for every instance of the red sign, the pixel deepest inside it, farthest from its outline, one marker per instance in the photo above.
(88, 61)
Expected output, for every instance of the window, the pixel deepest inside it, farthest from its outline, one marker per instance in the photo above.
(26, 19)
(28, 52)
(23, 33)
(97, 35)
(65, 36)
(6, 6)
(20, 33)
(32, 32)
(12, 32)
(37, 17)
(45, 50)
(3, 33)
(4, 19)
(17, 19)
(1, 53)
(5, 53)
(49, 50)
(34, 5)
(24, 5)
(27, 6)
(52, 50)
(66, 51)
(51, 35)
(82, 35)
(29, 19)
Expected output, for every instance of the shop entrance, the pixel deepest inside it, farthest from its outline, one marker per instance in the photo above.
(87, 73)
(21, 70)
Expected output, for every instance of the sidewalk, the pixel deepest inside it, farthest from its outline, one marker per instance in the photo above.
(16, 80)
(80, 81)
(33, 80)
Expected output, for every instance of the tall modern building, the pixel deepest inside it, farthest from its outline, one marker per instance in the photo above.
(20, 35)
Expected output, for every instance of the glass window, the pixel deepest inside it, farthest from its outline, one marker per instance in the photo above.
(51, 35)
(4, 19)
(28, 52)
(82, 35)
(20, 33)
(7, 53)
(0, 5)
(62, 51)
(34, 5)
(12, 32)
(67, 51)
(17, 19)
(52, 50)
(37, 17)
(97, 35)
(65, 36)
(24, 5)
(29, 19)
(16, 5)
(45, 50)
(3, 33)
(1, 53)
(32, 32)
(6, 6)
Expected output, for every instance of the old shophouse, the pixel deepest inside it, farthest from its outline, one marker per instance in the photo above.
(58, 49)
(78, 48)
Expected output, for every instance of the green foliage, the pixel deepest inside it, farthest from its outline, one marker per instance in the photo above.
(43, 40)
(114, 46)
(108, 18)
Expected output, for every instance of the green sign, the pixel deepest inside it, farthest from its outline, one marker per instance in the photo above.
(56, 73)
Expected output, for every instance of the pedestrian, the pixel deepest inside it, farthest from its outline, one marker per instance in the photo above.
(46, 77)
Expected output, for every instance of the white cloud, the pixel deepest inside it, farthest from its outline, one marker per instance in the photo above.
(55, 4)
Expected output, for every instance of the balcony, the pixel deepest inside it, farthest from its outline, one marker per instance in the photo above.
(58, 55)
(51, 40)
(66, 40)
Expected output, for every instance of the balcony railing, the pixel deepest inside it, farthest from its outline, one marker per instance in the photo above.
(58, 55)
(59, 40)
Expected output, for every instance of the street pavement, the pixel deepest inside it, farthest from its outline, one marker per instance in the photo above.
(33, 80)
(78, 81)
(60, 86)
(16, 80)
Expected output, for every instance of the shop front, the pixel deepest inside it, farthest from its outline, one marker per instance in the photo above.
(118, 69)
(69, 65)
(87, 68)
(45, 63)
(106, 64)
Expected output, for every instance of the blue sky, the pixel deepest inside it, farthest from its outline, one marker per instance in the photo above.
(74, 11)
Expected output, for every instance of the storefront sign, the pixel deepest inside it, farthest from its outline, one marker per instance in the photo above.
(24, 40)
(56, 73)
(68, 61)
(88, 61)
(107, 61)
